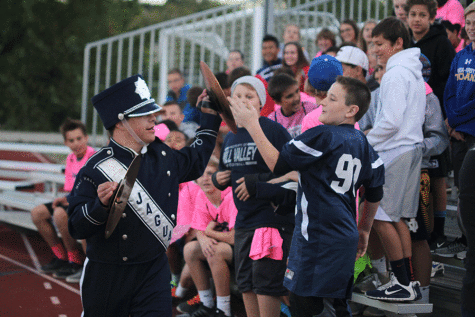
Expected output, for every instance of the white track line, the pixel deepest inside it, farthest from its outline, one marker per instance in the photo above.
(31, 252)
(49, 278)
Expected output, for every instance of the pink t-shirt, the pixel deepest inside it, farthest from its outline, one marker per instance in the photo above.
(186, 202)
(73, 165)
(452, 11)
(311, 120)
(293, 123)
(205, 211)
(460, 47)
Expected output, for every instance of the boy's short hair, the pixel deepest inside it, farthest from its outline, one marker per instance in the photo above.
(451, 27)
(326, 34)
(239, 52)
(391, 28)
(270, 38)
(430, 4)
(70, 125)
(192, 95)
(171, 125)
(357, 93)
(237, 73)
(279, 84)
(175, 71)
(172, 102)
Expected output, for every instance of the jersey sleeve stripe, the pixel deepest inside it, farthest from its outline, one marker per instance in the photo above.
(306, 149)
(377, 164)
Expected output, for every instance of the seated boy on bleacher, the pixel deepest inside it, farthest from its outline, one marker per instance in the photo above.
(68, 257)
(213, 218)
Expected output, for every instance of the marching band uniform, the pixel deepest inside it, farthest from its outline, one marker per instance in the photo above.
(128, 274)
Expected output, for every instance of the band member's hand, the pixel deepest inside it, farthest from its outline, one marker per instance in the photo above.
(205, 105)
(60, 201)
(362, 244)
(105, 192)
(241, 190)
(223, 177)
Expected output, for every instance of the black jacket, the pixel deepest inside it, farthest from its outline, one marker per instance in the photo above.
(436, 46)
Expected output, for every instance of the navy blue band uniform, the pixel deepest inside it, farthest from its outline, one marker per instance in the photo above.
(128, 273)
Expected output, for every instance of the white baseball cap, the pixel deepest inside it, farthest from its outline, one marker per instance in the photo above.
(354, 56)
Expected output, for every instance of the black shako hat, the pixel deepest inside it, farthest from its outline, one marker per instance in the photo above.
(128, 98)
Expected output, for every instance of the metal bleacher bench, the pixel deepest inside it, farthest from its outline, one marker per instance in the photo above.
(16, 204)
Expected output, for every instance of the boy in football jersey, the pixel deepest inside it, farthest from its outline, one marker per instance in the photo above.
(333, 161)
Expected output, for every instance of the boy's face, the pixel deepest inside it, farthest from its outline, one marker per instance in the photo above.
(175, 140)
(143, 127)
(175, 82)
(290, 100)
(76, 140)
(384, 49)
(173, 113)
(205, 181)
(248, 96)
(234, 61)
(269, 51)
(351, 70)
(291, 55)
(399, 9)
(291, 34)
(334, 109)
(419, 20)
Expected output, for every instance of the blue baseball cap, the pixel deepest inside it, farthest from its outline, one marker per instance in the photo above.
(323, 72)
(128, 98)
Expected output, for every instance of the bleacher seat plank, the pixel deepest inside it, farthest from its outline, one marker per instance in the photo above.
(398, 308)
(31, 166)
(17, 218)
(15, 185)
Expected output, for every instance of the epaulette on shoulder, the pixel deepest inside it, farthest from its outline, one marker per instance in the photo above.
(101, 155)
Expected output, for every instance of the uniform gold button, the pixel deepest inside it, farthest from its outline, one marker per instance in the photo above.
(169, 194)
(124, 215)
(109, 152)
(172, 216)
(164, 153)
(124, 237)
(124, 259)
(168, 173)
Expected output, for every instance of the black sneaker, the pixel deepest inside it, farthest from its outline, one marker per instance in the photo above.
(219, 313)
(204, 311)
(438, 243)
(54, 265)
(189, 306)
(67, 270)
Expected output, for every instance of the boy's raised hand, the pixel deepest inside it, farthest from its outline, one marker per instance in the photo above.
(243, 113)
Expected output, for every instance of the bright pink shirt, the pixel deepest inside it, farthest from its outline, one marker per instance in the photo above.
(460, 47)
(452, 11)
(205, 211)
(186, 202)
(73, 165)
(293, 123)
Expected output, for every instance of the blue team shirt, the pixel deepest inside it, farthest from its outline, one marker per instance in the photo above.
(240, 155)
(333, 162)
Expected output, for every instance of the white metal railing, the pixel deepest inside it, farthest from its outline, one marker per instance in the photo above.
(207, 36)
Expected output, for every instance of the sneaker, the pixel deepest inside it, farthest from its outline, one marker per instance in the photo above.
(189, 306)
(437, 268)
(284, 310)
(438, 243)
(368, 283)
(67, 270)
(395, 291)
(203, 311)
(219, 313)
(461, 255)
(373, 311)
(54, 265)
(74, 278)
(451, 249)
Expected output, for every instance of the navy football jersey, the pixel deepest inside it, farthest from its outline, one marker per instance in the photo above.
(333, 162)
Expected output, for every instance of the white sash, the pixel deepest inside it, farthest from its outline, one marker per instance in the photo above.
(141, 202)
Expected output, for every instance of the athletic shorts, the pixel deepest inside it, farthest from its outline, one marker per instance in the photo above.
(264, 276)
(50, 208)
(419, 227)
(401, 186)
(439, 165)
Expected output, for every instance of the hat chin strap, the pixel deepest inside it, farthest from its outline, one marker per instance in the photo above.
(134, 135)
